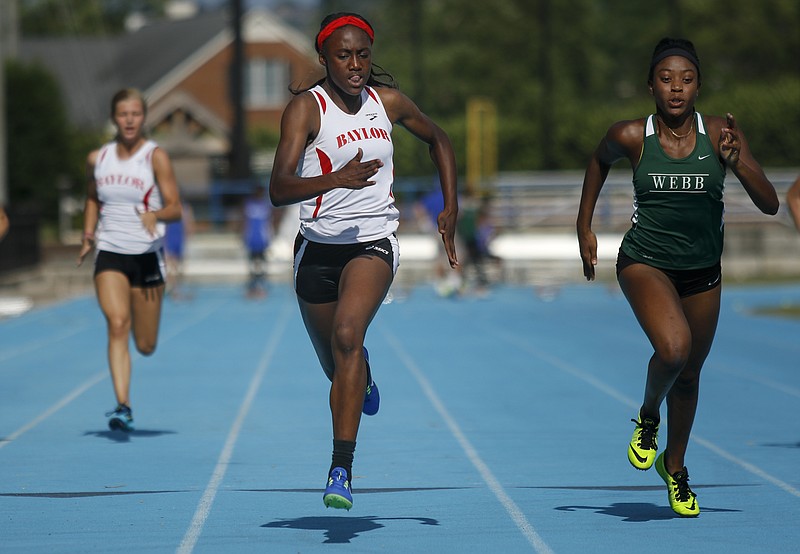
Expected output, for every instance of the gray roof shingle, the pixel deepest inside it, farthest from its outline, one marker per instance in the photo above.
(90, 70)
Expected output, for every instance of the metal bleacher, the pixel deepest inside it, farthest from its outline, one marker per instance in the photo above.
(534, 218)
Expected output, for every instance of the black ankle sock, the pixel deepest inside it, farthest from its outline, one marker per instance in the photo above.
(343, 452)
(656, 420)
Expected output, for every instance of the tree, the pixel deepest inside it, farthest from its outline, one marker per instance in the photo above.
(559, 72)
(562, 72)
(82, 17)
(39, 138)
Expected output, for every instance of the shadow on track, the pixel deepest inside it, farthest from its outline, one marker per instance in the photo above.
(339, 530)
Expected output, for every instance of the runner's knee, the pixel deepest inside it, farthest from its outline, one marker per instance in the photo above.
(673, 354)
(118, 326)
(145, 347)
(347, 339)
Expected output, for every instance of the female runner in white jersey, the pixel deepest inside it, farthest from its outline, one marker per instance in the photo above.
(131, 194)
(335, 159)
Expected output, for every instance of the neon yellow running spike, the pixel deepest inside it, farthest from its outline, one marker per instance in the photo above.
(644, 443)
(681, 498)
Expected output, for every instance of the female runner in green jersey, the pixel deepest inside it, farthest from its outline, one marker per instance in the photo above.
(669, 261)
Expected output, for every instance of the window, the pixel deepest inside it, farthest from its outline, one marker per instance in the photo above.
(266, 82)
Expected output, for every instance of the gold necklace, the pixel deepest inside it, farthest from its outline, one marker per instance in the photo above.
(676, 135)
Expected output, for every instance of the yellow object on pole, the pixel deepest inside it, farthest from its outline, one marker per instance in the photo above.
(481, 143)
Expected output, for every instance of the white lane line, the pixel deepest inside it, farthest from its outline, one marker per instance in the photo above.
(611, 391)
(494, 485)
(45, 342)
(204, 506)
(96, 378)
(755, 470)
(755, 378)
(75, 393)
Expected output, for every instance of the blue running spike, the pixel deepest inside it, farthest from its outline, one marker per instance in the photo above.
(372, 398)
(120, 419)
(337, 493)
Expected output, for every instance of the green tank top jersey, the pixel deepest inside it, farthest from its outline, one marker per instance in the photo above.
(678, 209)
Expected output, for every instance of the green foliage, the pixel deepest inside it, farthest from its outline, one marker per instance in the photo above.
(39, 151)
(81, 142)
(768, 115)
(81, 17)
(562, 72)
(263, 138)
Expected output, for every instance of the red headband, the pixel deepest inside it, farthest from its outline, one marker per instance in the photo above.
(341, 22)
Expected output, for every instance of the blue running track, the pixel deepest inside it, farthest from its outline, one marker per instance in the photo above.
(503, 428)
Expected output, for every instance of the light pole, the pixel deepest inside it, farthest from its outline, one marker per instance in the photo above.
(239, 156)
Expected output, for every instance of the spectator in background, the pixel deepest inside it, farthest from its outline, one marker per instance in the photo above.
(4, 224)
(257, 234)
(793, 201)
(448, 280)
(175, 237)
(477, 230)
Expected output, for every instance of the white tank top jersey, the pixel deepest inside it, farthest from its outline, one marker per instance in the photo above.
(345, 216)
(125, 188)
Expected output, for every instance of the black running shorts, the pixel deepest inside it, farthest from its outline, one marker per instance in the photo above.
(142, 270)
(686, 281)
(318, 267)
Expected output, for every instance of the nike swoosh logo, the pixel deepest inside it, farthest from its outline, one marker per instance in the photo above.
(703, 157)
(636, 454)
(714, 282)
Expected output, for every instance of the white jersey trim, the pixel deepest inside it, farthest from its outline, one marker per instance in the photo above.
(650, 125)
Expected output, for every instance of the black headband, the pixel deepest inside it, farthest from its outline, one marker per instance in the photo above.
(675, 51)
